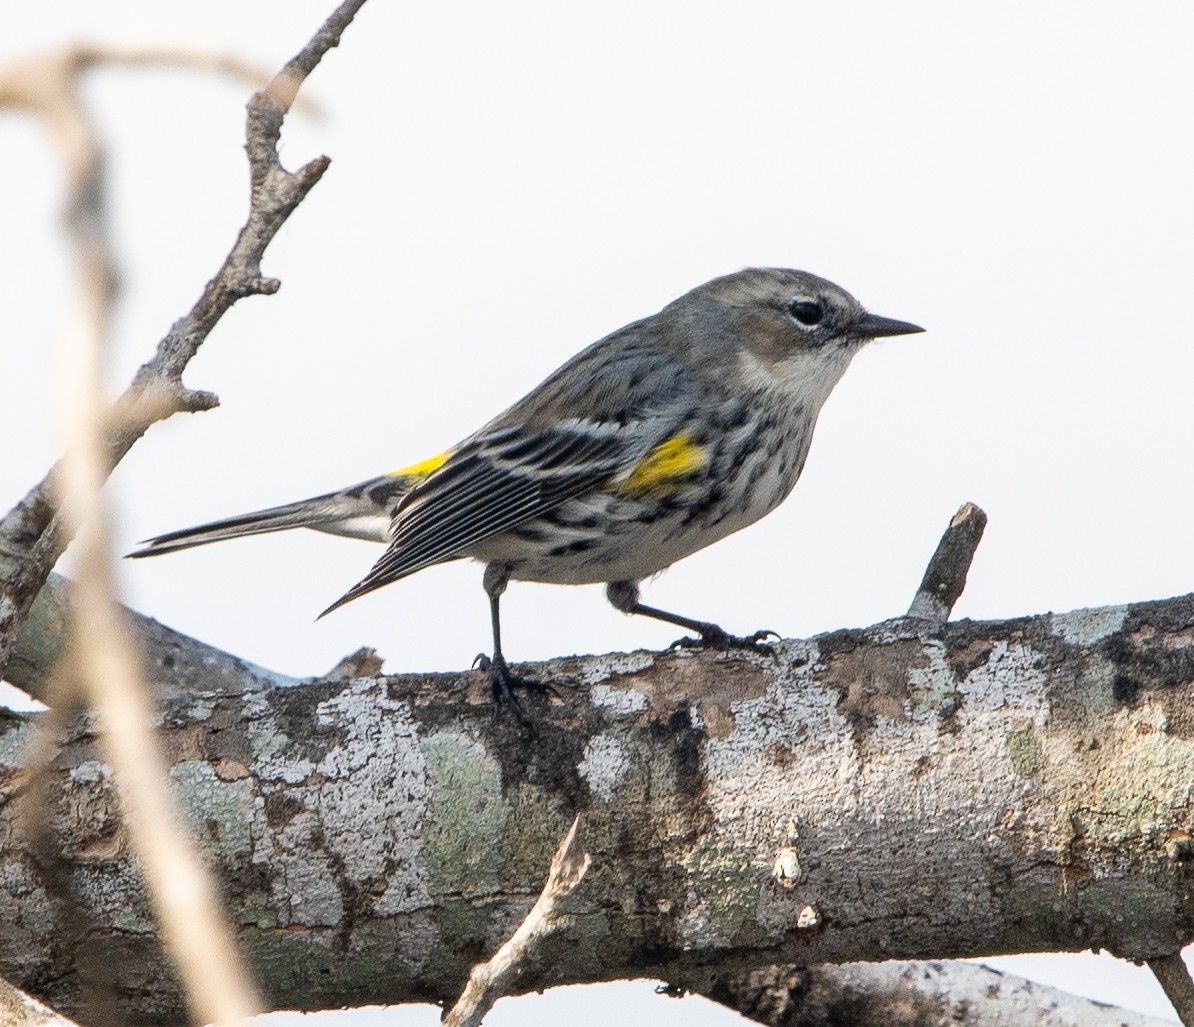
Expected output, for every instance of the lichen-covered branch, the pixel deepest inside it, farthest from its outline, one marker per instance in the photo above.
(908, 791)
(911, 994)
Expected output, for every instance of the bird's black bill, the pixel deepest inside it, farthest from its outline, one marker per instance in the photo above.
(872, 326)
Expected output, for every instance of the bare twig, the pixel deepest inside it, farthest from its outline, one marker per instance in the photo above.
(945, 576)
(1174, 977)
(30, 534)
(490, 981)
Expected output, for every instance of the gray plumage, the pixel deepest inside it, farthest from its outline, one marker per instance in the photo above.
(652, 443)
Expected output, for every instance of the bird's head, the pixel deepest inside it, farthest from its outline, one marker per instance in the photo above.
(786, 325)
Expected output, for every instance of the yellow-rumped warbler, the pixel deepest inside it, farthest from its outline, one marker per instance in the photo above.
(660, 439)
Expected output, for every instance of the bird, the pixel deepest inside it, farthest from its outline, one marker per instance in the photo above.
(649, 445)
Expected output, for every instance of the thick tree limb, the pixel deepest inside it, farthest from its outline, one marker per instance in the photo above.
(911, 994)
(928, 791)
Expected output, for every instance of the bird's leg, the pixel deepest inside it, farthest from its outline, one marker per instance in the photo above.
(624, 596)
(501, 681)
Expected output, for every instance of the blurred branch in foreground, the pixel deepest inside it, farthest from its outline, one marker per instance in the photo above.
(103, 659)
(32, 537)
(20, 1010)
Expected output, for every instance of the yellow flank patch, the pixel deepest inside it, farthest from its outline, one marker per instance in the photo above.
(665, 468)
(423, 467)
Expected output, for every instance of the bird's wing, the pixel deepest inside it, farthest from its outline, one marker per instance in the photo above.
(539, 454)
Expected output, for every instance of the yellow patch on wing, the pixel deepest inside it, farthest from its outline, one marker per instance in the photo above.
(666, 468)
(423, 468)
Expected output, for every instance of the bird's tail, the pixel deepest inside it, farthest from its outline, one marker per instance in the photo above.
(356, 513)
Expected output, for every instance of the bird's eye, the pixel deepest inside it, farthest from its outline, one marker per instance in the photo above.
(806, 312)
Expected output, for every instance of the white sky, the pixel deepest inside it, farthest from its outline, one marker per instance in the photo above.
(511, 181)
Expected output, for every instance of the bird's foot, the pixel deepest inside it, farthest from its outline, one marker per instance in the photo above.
(502, 682)
(710, 636)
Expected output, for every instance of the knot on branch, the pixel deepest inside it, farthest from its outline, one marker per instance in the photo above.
(257, 286)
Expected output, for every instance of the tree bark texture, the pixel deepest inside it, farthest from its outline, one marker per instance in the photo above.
(175, 661)
(905, 791)
(911, 994)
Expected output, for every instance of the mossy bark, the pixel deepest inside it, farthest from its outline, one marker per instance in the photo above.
(961, 790)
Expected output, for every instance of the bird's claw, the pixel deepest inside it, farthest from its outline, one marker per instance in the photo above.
(711, 636)
(502, 683)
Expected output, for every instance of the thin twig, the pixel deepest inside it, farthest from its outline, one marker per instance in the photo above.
(490, 981)
(157, 391)
(1174, 977)
(945, 577)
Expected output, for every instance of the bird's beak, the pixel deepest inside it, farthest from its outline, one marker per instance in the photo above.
(872, 326)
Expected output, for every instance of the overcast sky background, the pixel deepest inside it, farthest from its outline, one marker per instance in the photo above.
(512, 181)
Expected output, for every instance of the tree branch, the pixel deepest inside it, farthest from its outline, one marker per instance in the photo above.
(31, 535)
(911, 994)
(1174, 977)
(491, 980)
(953, 790)
(945, 577)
